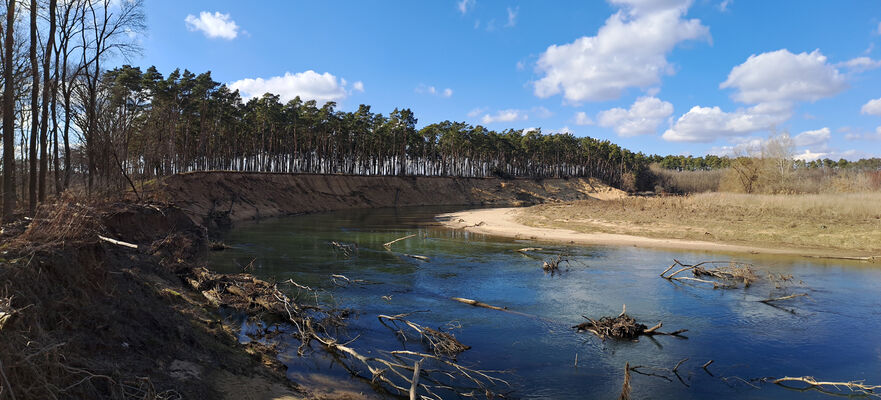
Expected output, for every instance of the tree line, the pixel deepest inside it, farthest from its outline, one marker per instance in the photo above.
(713, 162)
(151, 126)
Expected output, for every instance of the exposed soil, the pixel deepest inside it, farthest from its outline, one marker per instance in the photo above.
(91, 319)
(222, 198)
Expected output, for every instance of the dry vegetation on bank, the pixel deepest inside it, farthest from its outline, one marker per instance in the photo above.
(839, 222)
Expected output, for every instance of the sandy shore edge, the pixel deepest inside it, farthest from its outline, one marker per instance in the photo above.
(503, 222)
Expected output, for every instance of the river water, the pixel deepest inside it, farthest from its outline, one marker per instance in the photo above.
(833, 334)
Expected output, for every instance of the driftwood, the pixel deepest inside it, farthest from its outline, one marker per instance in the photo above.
(346, 249)
(476, 303)
(854, 386)
(342, 280)
(622, 327)
(792, 296)
(415, 383)
(439, 342)
(661, 372)
(625, 387)
(552, 265)
(388, 245)
(416, 256)
(118, 242)
(727, 274)
(527, 249)
(400, 371)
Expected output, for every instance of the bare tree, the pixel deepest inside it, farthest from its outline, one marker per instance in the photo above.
(69, 26)
(107, 26)
(8, 116)
(35, 117)
(47, 58)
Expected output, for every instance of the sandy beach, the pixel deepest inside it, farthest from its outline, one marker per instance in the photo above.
(503, 222)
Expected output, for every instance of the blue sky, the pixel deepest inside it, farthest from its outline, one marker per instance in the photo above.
(658, 76)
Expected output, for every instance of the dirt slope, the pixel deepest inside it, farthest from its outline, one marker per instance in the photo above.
(225, 197)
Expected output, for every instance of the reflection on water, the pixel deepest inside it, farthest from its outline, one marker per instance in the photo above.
(832, 334)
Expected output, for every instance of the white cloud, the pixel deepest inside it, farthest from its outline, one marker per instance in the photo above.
(542, 112)
(723, 6)
(876, 135)
(508, 115)
(872, 107)
(358, 86)
(465, 5)
(860, 64)
(741, 146)
(512, 16)
(706, 124)
(782, 76)
(809, 155)
(422, 88)
(477, 111)
(215, 25)
(773, 82)
(582, 119)
(643, 117)
(852, 155)
(521, 65)
(812, 138)
(629, 50)
(309, 85)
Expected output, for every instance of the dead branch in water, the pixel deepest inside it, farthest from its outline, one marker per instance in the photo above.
(400, 371)
(337, 279)
(346, 249)
(622, 327)
(528, 249)
(440, 342)
(388, 246)
(792, 296)
(727, 274)
(625, 388)
(418, 257)
(476, 303)
(854, 386)
(553, 265)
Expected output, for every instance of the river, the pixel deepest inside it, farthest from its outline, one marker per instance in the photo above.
(833, 333)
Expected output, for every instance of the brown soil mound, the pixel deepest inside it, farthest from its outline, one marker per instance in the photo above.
(84, 318)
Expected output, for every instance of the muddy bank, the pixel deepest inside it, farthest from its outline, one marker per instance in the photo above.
(82, 316)
(220, 198)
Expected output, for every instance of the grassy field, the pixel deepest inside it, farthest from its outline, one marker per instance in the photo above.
(849, 223)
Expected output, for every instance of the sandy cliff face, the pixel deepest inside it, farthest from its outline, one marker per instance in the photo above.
(226, 197)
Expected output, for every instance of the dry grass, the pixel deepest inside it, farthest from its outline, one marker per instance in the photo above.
(670, 181)
(841, 222)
